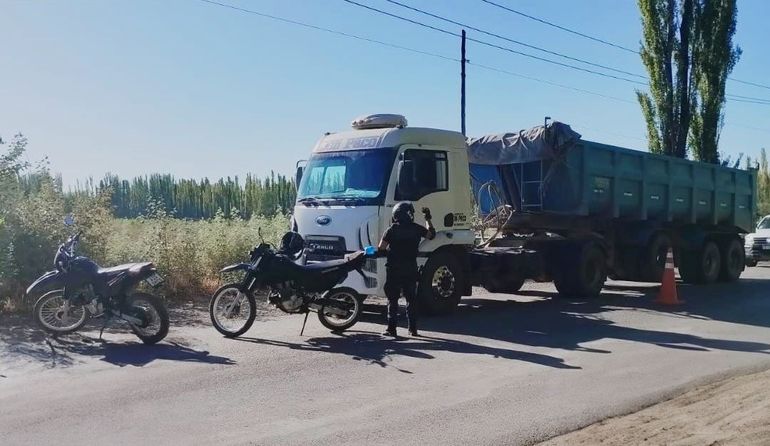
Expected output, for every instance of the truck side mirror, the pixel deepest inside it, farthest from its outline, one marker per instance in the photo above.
(299, 172)
(405, 180)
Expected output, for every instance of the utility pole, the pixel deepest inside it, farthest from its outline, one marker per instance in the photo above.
(462, 83)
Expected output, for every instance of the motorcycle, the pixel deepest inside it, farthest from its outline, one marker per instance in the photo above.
(289, 286)
(85, 290)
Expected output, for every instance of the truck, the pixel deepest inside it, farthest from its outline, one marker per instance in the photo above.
(541, 204)
(758, 243)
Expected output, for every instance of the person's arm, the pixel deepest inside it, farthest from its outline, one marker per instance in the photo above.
(431, 231)
(382, 248)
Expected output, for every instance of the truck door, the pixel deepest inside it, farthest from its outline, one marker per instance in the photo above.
(427, 185)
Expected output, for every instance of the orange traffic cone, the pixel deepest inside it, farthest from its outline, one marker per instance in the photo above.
(667, 293)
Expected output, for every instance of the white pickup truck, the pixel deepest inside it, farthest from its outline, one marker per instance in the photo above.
(758, 243)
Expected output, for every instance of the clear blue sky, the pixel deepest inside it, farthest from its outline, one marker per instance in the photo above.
(193, 89)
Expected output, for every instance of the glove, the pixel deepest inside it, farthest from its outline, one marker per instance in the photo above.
(426, 213)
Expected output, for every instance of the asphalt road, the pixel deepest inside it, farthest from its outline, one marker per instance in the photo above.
(501, 370)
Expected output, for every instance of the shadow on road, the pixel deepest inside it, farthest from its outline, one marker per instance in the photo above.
(568, 323)
(374, 349)
(23, 341)
(137, 354)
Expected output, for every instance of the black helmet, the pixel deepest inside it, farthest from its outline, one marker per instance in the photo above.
(403, 212)
(292, 244)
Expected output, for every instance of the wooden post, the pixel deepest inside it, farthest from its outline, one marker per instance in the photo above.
(462, 83)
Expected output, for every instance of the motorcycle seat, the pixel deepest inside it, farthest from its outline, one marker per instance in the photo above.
(131, 269)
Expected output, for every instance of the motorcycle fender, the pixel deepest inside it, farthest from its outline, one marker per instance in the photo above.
(44, 281)
(236, 267)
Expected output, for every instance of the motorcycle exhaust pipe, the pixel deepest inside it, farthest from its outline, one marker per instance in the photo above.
(329, 309)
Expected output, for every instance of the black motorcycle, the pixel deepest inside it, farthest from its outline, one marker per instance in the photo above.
(290, 286)
(84, 290)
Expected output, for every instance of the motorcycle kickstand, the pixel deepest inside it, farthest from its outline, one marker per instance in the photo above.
(106, 322)
(307, 313)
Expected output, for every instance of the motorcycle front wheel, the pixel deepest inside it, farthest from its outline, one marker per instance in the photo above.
(232, 310)
(340, 310)
(57, 315)
(153, 314)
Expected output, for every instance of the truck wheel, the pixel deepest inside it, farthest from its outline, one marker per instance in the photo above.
(654, 258)
(733, 260)
(441, 284)
(583, 275)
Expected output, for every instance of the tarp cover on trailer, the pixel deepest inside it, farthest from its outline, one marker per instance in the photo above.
(535, 144)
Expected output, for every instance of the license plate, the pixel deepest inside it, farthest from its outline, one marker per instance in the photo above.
(154, 280)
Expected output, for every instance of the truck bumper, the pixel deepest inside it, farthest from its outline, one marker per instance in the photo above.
(758, 252)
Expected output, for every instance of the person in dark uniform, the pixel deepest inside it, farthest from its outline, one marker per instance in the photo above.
(400, 243)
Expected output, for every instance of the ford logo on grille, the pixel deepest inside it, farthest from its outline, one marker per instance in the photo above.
(323, 220)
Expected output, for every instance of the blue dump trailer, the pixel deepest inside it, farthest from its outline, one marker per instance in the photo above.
(576, 211)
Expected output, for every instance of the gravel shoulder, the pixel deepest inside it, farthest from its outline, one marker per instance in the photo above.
(732, 411)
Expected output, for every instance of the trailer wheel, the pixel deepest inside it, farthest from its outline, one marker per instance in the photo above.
(654, 259)
(702, 266)
(711, 262)
(441, 284)
(733, 260)
(584, 274)
(508, 285)
(687, 264)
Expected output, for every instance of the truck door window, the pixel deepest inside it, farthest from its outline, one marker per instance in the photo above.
(431, 173)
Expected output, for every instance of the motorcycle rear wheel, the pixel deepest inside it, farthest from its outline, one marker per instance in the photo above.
(55, 315)
(343, 298)
(154, 314)
(232, 310)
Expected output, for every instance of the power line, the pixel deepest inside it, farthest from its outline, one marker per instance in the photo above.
(426, 53)
(413, 50)
(743, 99)
(749, 83)
(748, 98)
(571, 31)
(517, 42)
(596, 39)
(555, 84)
(492, 45)
(331, 31)
(747, 101)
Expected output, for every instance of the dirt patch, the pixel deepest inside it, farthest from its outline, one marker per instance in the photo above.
(733, 411)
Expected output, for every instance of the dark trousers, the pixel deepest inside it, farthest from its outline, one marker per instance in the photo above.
(398, 282)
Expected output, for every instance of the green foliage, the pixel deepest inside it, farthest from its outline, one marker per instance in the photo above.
(763, 184)
(195, 199)
(688, 52)
(188, 252)
(715, 57)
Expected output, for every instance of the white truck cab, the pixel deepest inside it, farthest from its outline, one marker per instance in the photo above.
(351, 182)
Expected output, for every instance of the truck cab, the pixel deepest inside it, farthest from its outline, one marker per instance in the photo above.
(351, 182)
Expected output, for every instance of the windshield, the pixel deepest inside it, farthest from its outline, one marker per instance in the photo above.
(764, 224)
(360, 175)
